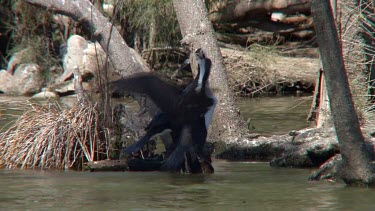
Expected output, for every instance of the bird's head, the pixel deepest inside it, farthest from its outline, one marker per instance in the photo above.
(204, 68)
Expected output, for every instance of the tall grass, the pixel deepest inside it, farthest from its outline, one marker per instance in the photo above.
(48, 136)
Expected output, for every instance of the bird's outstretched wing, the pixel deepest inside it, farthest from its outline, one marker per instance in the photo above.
(163, 94)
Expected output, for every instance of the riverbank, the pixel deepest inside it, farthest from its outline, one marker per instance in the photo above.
(251, 72)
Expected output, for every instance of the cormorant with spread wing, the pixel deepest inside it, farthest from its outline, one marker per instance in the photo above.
(188, 112)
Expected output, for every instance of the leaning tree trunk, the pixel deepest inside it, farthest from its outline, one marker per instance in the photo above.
(355, 166)
(197, 31)
(124, 59)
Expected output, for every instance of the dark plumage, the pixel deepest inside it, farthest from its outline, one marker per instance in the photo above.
(186, 112)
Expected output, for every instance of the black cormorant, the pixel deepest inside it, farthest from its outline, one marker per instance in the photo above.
(188, 112)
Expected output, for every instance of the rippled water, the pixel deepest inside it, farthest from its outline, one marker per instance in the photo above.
(234, 186)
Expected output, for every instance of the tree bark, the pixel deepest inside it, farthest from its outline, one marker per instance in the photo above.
(124, 59)
(197, 31)
(355, 167)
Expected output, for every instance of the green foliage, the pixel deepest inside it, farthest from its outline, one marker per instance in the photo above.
(153, 20)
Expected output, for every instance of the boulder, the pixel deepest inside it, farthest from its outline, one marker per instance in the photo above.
(74, 56)
(27, 80)
(84, 55)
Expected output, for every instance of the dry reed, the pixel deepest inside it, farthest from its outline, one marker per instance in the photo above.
(48, 136)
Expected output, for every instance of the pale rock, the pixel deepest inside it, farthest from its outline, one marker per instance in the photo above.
(45, 95)
(5, 81)
(83, 55)
(27, 79)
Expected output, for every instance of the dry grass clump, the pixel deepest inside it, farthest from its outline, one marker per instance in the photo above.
(48, 136)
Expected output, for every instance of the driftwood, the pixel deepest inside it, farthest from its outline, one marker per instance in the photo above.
(248, 39)
(229, 11)
(106, 165)
(305, 148)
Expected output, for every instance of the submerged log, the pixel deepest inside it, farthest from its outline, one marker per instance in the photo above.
(106, 165)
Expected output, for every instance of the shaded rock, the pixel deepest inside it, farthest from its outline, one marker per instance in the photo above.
(88, 57)
(54, 75)
(45, 95)
(16, 59)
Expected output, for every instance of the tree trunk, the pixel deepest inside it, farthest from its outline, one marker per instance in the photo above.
(197, 31)
(355, 167)
(124, 59)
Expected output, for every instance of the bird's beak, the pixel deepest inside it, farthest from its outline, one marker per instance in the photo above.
(200, 54)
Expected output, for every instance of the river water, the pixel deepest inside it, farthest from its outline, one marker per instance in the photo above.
(276, 115)
(233, 186)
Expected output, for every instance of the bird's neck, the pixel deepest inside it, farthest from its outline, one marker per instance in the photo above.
(201, 82)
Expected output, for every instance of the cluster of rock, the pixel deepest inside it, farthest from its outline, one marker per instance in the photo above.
(22, 78)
